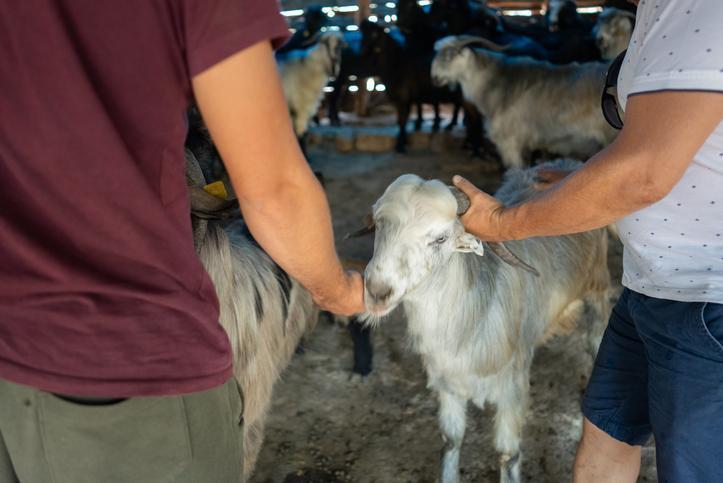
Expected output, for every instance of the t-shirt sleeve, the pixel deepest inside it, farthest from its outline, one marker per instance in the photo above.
(217, 29)
(682, 48)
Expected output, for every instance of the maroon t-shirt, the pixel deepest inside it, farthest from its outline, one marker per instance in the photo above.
(101, 291)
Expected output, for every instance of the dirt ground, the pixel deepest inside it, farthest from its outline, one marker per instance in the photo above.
(326, 426)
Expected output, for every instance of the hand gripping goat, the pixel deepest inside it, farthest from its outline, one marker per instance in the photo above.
(476, 320)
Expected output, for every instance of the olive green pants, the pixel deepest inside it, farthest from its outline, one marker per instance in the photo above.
(191, 438)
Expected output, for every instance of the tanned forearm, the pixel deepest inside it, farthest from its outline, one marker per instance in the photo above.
(663, 131)
(611, 185)
(282, 202)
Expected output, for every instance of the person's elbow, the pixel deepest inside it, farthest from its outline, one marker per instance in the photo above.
(653, 185)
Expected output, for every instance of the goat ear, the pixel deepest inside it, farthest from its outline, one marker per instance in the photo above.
(467, 243)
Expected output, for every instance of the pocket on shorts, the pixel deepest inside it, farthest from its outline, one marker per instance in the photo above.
(134, 440)
(710, 317)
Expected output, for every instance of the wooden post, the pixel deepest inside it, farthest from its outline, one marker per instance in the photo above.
(362, 96)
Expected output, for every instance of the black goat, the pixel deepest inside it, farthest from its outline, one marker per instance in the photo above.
(406, 74)
(352, 64)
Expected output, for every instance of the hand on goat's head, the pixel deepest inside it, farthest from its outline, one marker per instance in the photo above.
(417, 231)
(482, 218)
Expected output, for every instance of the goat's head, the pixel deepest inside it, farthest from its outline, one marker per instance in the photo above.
(612, 31)
(376, 39)
(455, 56)
(333, 42)
(417, 231)
(561, 15)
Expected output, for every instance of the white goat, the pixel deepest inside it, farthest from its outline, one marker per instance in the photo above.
(264, 312)
(304, 73)
(612, 31)
(475, 320)
(528, 104)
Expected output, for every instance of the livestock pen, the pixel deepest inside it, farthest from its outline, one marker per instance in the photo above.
(472, 318)
(330, 419)
(327, 422)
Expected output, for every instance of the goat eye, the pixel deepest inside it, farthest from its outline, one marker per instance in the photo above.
(440, 240)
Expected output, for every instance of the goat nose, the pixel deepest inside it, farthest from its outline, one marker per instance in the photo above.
(379, 293)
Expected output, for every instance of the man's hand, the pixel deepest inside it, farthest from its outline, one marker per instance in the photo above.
(349, 299)
(483, 217)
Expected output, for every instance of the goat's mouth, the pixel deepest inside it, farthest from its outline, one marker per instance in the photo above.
(379, 308)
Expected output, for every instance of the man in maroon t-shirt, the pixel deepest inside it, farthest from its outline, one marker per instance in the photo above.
(102, 296)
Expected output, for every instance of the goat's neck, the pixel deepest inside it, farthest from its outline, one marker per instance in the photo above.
(322, 63)
(456, 320)
(465, 281)
(475, 82)
(390, 61)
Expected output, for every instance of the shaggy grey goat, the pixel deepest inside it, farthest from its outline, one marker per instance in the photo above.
(474, 320)
(304, 73)
(264, 312)
(528, 104)
(612, 31)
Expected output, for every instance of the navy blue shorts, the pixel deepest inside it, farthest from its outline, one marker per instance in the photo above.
(659, 371)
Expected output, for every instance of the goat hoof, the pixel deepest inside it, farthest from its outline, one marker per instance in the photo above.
(362, 369)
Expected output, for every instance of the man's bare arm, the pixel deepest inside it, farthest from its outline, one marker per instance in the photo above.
(282, 202)
(662, 133)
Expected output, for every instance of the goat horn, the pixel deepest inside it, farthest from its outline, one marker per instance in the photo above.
(498, 248)
(463, 202)
(367, 229)
(507, 256)
(485, 43)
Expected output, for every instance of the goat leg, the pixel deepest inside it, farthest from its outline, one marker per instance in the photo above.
(437, 118)
(363, 349)
(455, 117)
(452, 422)
(510, 468)
(420, 117)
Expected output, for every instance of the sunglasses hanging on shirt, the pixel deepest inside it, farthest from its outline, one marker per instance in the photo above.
(608, 102)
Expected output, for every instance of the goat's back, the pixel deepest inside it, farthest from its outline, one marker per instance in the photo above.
(264, 313)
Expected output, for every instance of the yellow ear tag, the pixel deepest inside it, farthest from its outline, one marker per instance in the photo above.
(217, 189)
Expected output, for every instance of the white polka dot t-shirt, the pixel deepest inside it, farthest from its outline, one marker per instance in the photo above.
(674, 248)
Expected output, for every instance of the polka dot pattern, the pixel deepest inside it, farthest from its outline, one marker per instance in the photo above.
(674, 248)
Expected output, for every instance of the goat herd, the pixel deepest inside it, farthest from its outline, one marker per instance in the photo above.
(533, 90)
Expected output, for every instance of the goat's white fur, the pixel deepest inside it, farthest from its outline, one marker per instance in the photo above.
(474, 320)
(528, 104)
(304, 73)
(612, 31)
(262, 347)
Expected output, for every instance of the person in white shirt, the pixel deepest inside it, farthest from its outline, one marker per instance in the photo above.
(659, 370)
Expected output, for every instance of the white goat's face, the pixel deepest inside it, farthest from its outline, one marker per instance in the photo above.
(417, 231)
(449, 64)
